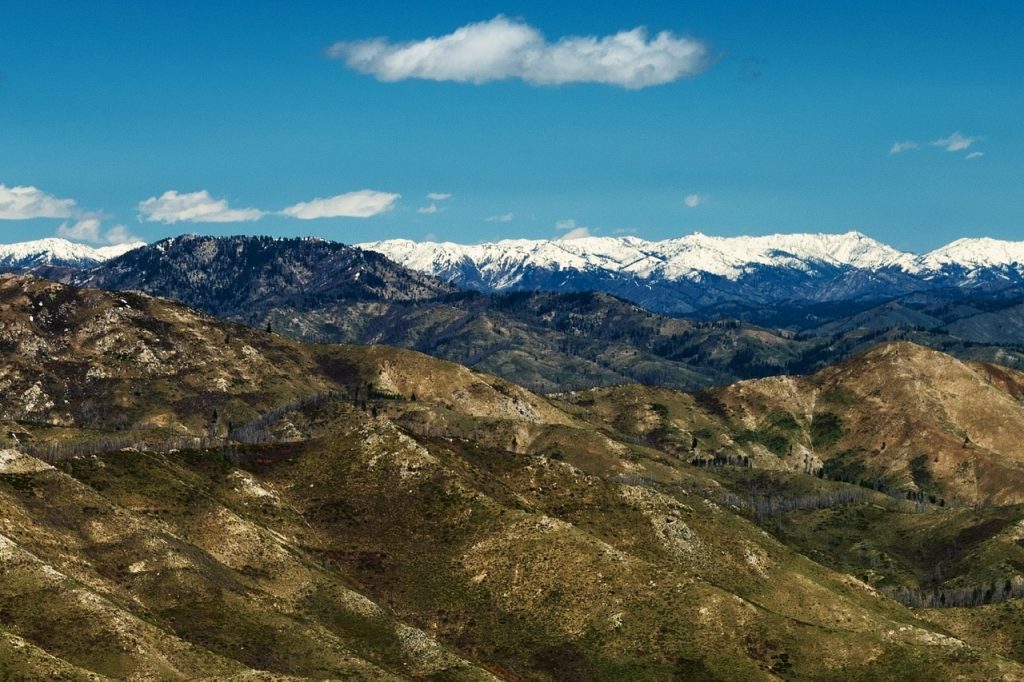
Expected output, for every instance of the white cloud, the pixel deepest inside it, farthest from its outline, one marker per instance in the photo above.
(119, 234)
(955, 142)
(577, 233)
(693, 200)
(24, 202)
(572, 230)
(975, 155)
(504, 218)
(87, 230)
(194, 207)
(361, 204)
(434, 198)
(503, 48)
(900, 147)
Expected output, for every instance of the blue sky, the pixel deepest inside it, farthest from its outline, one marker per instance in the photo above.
(784, 119)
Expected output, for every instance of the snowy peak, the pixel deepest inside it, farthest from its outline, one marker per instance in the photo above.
(54, 251)
(976, 253)
(732, 257)
(686, 257)
(698, 271)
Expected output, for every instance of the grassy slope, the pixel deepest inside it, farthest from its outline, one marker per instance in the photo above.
(523, 564)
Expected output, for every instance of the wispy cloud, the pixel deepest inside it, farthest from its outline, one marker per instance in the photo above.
(572, 230)
(435, 198)
(504, 48)
(26, 202)
(119, 234)
(193, 207)
(200, 207)
(361, 204)
(693, 200)
(900, 147)
(87, 230)
(504, 218)
(955, 142)
(577, 233)
(90, 230)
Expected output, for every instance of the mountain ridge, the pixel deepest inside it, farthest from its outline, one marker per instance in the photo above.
(725, 256)
(317, 290)
(56, 251)
(323, 291)
(220, 274)
(684, 274)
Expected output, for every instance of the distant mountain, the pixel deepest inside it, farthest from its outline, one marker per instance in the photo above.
(698, 271)
(316, 290)
(244, 278)
(57, 253)
(973, 255)
(323, 291)
(711, 277)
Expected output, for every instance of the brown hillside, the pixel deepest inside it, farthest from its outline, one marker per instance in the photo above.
(900, 414)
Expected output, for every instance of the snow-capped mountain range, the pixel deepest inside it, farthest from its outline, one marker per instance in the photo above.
(56, 252)
(680, 275)
(698, 270)
(688, 257)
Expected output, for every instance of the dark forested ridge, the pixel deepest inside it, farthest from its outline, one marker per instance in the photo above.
(327, 292)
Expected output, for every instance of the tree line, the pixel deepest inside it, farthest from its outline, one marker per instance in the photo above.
(956, 597)
(53, 452)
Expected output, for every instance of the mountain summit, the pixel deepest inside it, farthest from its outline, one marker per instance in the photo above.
(242, 277)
